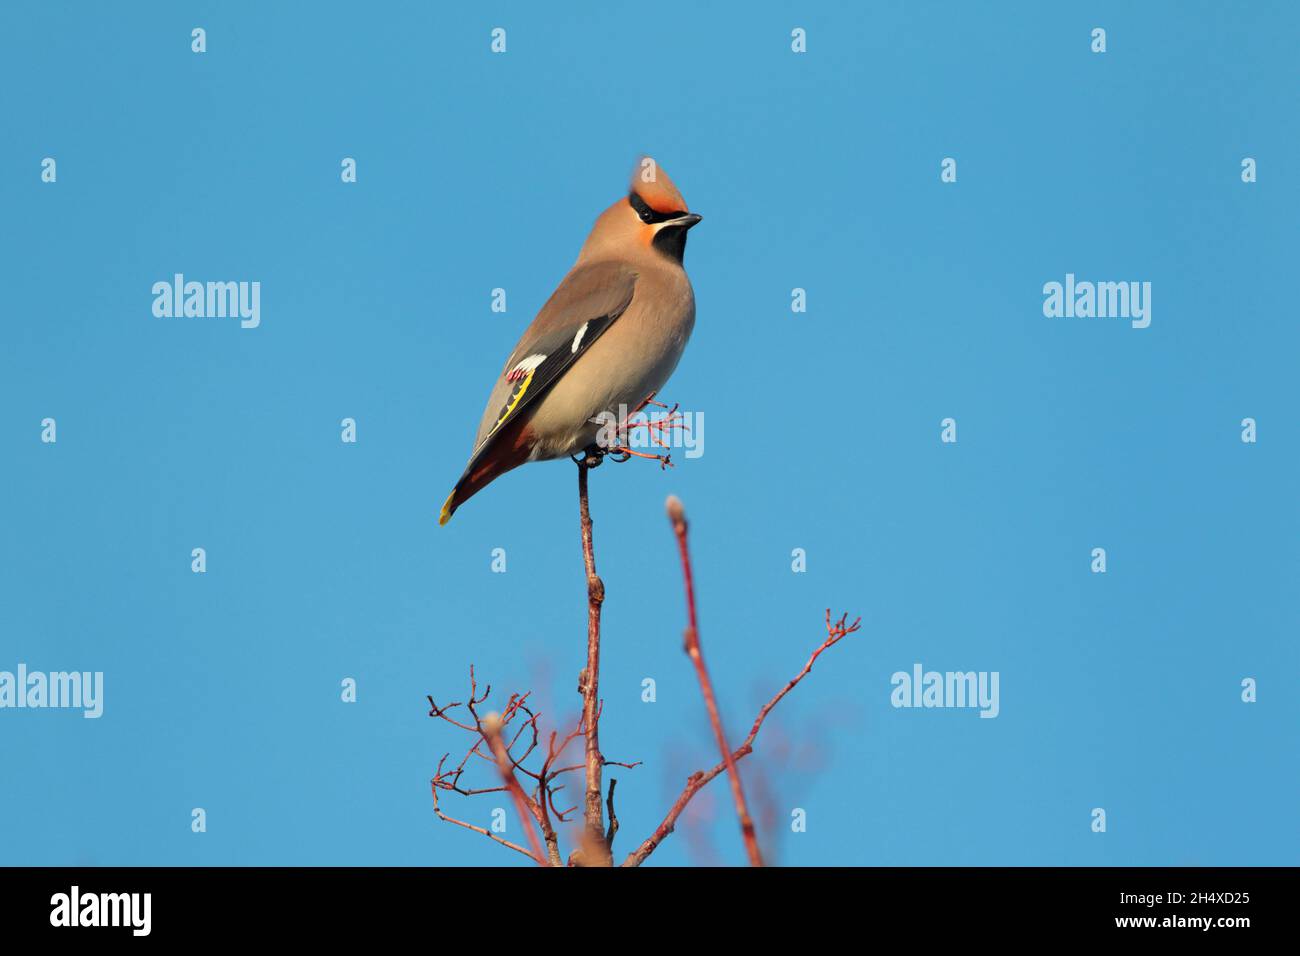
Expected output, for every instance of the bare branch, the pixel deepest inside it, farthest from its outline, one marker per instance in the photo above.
(677, 515)
(589, 679)
(477, 829)
(491, 727)
(834, 634)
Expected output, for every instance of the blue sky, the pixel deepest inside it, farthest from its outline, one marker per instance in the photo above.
(822, 429)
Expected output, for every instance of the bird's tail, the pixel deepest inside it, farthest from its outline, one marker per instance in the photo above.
(463, 491)
(477, 477)
(448, 508)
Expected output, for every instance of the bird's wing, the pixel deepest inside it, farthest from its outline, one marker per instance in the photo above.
(587, 302)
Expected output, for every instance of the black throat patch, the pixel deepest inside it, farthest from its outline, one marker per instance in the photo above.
(671, 241)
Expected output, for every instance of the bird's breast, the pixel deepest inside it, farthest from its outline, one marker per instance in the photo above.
(624, 366)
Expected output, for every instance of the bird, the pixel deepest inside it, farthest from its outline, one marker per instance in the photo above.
(608, 338)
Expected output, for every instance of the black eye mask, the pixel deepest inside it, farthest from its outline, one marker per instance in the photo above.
(648, 215)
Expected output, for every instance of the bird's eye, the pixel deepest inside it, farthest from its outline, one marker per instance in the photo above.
(647, 215)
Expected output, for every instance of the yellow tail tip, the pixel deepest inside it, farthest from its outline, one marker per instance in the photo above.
(446, 510)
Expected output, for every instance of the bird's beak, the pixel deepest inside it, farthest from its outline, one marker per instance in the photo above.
(685, 221)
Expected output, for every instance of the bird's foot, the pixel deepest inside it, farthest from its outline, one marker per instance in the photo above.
(592, 456)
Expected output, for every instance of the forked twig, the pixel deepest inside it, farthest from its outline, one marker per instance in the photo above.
(695, 783)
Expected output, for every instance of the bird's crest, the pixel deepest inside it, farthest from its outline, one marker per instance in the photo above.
(652, 184)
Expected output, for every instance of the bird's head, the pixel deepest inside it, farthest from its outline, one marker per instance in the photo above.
(652, 218)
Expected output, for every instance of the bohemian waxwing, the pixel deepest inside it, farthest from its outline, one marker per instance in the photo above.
(608, 337)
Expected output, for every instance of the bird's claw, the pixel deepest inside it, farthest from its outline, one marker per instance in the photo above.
(592, 456)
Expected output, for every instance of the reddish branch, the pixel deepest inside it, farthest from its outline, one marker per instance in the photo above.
(507, 742)
(589, 682)
(495, 742)
(492, 727)
(677, 515)
(835, 632)
(541, 804)
(470, 826)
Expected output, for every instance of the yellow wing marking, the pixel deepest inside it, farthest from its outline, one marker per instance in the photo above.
(513, 403)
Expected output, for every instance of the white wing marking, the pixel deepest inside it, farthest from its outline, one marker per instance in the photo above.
(527, 365)
(578, 338)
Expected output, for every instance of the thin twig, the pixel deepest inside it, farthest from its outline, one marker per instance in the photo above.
(656, 431)
(589, 680)
(677, 515)
(477, 829)
(491, 727)
(834, 634)
(613, 818)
